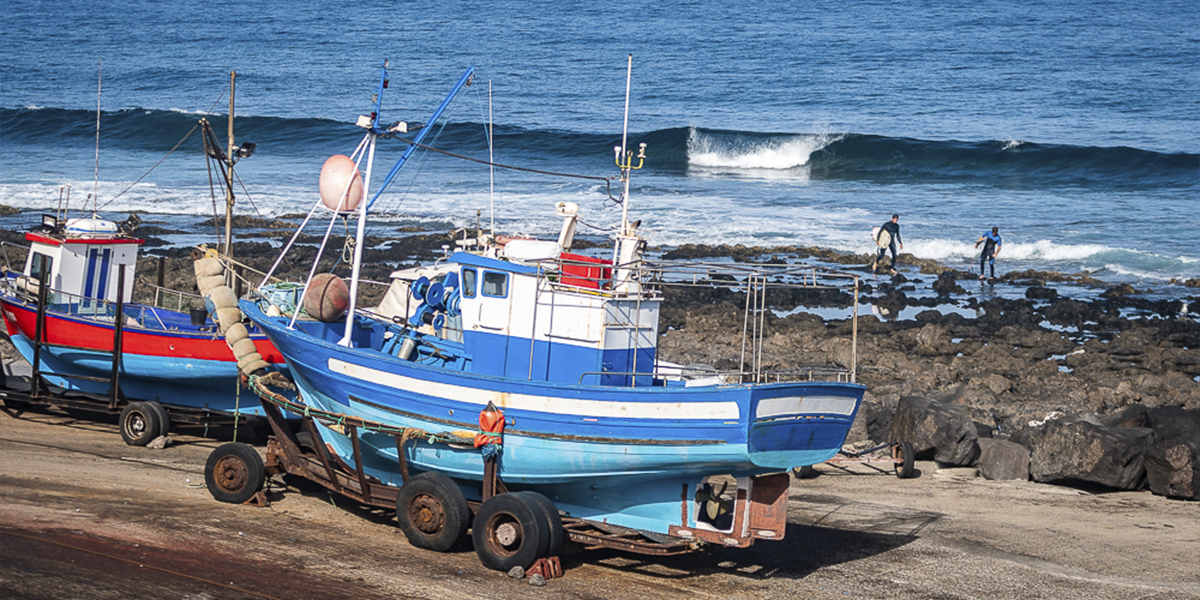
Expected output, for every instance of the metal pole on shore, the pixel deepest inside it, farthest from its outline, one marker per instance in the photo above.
(229, 182)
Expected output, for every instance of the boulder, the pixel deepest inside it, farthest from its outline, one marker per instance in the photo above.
(943, 432)
(1003, 460)
(1070, 450)
(1173, 469)
(1133, 415)
(1041, 293)
(1170, 422)
(932, 341)
(875, 421)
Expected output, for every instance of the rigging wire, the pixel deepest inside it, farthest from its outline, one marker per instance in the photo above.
(169, 152)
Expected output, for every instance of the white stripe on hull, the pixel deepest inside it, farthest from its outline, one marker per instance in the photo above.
(725, 411)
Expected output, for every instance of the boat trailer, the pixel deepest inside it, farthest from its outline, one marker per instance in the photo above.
(235, 473)
(900, 456)
(141, 422)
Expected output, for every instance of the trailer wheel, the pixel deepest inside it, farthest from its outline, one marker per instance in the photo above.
(164, 418)
(903, 452)
(508, 532)
(234, 472)
(139, 424)
(308, 446)
(553, 521)
(805, 472)
(431, 511)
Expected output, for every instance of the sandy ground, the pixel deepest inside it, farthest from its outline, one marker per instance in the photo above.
(82, 515)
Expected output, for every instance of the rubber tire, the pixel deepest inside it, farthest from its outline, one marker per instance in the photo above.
(139, 423)
(553, 521)
(533, 535)
(164, 418)
(308, 446)
(440, 511)
(234, 473)
(805, 472)
(904, 469)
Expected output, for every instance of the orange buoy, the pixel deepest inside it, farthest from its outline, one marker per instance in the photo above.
(491, 425)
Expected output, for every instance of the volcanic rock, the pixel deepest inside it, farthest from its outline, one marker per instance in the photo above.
(1076, 450)
(1002, 459)
(1173, 469)
(943, 432)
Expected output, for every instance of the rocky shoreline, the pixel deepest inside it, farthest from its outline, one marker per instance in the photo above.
(1022, 357)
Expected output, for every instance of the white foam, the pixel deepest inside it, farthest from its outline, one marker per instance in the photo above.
(778, 153)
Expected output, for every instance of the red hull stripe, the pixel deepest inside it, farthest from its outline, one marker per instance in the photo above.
(93, 336)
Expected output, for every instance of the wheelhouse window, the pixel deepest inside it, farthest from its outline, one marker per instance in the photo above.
(468, 282)
(35, 269)
(495, 284)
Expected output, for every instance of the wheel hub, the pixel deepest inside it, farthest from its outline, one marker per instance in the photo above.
(427, 514)
(231, 473)
(506, 534)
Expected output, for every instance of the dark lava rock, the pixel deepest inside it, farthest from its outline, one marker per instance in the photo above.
(1175, 422)
(1119, 291)
(1173, 469)
(943, 432)
(1041, 293)
(1003, 460)
(876, 419)
(1066, 451)
(947, 283)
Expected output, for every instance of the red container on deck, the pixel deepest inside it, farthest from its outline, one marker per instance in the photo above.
(585, 275)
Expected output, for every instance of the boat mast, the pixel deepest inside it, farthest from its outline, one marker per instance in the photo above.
(365, 207)
(626, 251)
(229, 181)
(360, 233)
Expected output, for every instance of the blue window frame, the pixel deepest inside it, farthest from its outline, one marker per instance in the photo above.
(468, 282)
(495, 284)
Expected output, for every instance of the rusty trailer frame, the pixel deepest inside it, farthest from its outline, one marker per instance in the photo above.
(759, 513)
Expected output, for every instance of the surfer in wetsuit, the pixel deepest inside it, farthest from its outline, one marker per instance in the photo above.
(893, 229)
(991, 249)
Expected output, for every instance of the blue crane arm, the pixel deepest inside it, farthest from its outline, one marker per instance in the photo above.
(466, 77)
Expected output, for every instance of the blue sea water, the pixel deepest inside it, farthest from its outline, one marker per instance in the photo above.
(1073, 126)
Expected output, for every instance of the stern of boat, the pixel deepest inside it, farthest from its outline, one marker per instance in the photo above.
(801, 425)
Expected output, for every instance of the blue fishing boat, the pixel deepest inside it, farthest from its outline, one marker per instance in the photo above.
(519, 365)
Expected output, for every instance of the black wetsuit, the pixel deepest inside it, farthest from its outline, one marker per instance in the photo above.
(893, 229)
(990, 243)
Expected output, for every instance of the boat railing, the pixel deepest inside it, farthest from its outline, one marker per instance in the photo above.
(706, 378)
(785, 283)
(103, 311)
(172, 300)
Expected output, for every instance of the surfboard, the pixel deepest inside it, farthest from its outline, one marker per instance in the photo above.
(882, 238)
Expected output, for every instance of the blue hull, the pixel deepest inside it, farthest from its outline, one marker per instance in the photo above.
(622, 454)
(188, 383)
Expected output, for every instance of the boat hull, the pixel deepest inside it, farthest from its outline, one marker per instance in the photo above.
(625, 455)
(192, 369)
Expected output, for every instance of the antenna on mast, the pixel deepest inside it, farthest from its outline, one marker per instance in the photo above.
(491, 159)
(96, 181)
(627, 253)
(625, 157)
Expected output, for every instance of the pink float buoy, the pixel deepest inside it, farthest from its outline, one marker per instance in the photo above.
(341, 184)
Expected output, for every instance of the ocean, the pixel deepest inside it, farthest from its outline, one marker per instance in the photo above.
(1072, 126)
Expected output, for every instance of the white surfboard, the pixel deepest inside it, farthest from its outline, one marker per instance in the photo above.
(882, 238)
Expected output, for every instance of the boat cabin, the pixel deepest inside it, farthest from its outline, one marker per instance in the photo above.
(82, 259)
